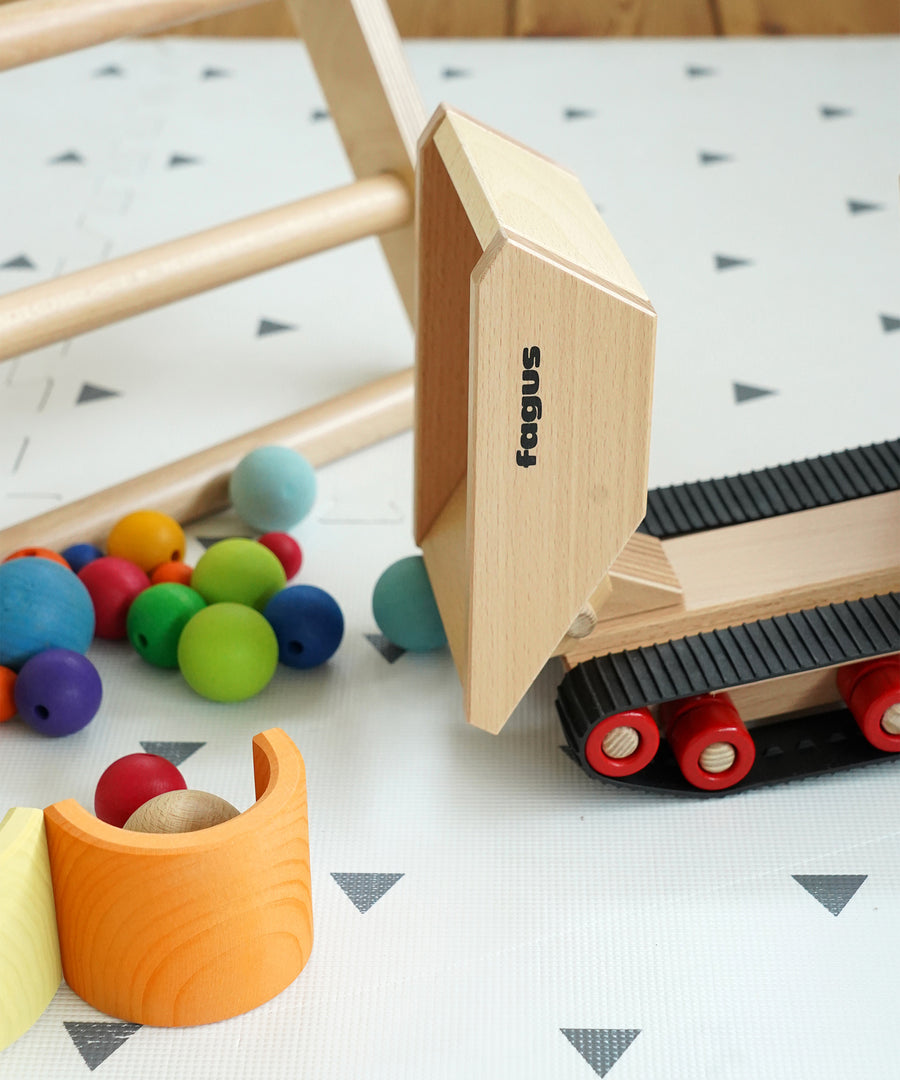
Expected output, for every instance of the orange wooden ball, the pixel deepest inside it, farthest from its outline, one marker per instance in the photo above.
(7, 700)
(38, 553)
(178, 573)
(147, 538)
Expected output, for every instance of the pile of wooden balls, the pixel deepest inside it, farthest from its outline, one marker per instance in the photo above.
(226, 623)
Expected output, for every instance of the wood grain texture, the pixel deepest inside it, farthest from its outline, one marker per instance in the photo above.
(452, 18)
(374, 102)
(512, 572)
(766, 568)
(103, 294)
(752, 17)
(188, 928)
(180, 811)
(30, 968)
(613, 18)
(413, 18)
(197, 485)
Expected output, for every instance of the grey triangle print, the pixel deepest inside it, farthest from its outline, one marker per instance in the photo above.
(215, 73)
(857, 206)
(388, 649)
(19, 262)
(728, 262)
(110, 71)
(709, 157)
(175, 752)
(319, 114)
(890, 323)
(697, 71)
(833, 891)
(743, 392)
(601, 1048)
(578, 114)
(89, 392)
(95, 1041)
(182, 159)
(269, 326)
(71, 157)
(832, 112)
(366, 889)
(455, 73)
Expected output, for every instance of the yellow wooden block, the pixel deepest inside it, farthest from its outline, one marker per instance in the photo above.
(30, 968)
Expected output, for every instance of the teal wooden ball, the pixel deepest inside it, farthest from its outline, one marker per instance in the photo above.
(273, 488)
(405, 609)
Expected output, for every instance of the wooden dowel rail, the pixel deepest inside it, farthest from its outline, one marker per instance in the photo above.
(197, 485)
(87, 299)
(32, 30)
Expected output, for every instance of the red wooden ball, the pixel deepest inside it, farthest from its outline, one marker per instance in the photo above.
(130, 782)
(286, 549)
(112, 583)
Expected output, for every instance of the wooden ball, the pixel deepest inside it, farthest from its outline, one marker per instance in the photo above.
(717, 757)
(180, 811)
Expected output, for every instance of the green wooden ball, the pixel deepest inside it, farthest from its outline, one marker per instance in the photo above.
(156, 619)
(238, 571)
(227, 652)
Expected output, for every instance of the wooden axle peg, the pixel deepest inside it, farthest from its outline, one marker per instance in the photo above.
(621, 742)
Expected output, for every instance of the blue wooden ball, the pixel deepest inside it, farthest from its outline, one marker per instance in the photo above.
(79, 555)
(308, 623)
(405, 609)
(43, 605)
(273, 488)
(58, 692)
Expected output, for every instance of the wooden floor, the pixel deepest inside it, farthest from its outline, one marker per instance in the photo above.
(590, 18)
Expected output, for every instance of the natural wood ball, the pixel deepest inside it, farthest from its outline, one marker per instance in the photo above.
(180, 811)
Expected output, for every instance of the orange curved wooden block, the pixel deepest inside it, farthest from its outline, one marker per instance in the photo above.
(191, 928)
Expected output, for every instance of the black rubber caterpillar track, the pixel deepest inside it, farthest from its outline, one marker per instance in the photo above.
(723, 659)
(784, 489)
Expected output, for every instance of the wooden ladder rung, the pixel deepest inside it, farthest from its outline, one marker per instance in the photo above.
(118, 288)
(32, 30)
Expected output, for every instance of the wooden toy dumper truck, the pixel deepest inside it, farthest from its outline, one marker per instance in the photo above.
(772, 595)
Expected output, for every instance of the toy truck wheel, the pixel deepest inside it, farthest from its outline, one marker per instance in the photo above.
(871, 691)
(622, 744)
(712, 746)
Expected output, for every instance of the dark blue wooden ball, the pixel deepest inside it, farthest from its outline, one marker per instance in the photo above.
(308, 623)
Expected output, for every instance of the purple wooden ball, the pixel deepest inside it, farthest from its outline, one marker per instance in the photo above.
(58, 692)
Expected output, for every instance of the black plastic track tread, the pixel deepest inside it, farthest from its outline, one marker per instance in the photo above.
(721, 660)
(732, 500)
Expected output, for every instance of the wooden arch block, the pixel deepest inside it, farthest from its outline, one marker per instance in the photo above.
(30, 970)
(191, 928)
(534, 375)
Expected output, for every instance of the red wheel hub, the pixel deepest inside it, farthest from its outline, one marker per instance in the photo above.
(869, 690)
(696, 723)
(643, 724)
